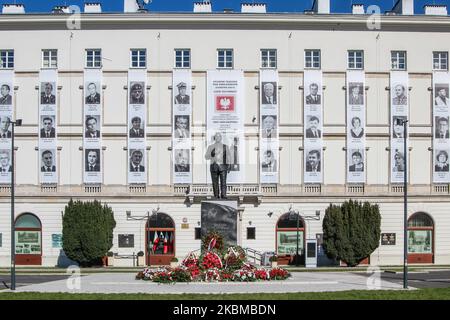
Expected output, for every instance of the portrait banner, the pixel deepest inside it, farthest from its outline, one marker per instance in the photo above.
(225, 120)
(269, 134)
(399, 84)
(92, 133)
(313, 126)
(441, 139)
(6, 115)
(356, 131)
(48, 131)
(137, 118)
(181, 131)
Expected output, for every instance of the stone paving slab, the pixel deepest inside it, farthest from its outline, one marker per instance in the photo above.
(299, 282)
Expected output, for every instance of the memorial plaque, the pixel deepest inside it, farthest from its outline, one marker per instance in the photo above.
(126, 240)
(220, 216)
(388, 239)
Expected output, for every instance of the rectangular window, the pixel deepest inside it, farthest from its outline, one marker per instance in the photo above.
(312, 59)
(398, 60)
(6, 59)
(287, 242)
(356, 59)
(49, 59)
(225, 58)
(93, 58)
(420, 241)
(198, 233)
(182, 58)
(440, 60)
(251, 233)
(269, 58)
(138, 58)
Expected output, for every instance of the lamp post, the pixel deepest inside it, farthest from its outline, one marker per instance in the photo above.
(405, 205)
(18, 123)
(147, 217)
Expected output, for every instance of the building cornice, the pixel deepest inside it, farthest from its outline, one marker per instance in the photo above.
(271, 21)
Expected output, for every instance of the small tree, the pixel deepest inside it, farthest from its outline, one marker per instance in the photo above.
(351, 232)
(87, 231)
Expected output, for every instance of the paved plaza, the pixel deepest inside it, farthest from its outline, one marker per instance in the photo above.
(299, 282)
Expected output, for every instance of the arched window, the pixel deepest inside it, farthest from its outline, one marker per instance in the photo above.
(286, 231)
(420, 238)
(28, 234)
(160, 233)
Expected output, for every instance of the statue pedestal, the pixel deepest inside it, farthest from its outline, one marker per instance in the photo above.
(220, 216)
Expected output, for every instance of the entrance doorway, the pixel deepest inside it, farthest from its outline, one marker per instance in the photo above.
(28, 233)
(286, 239)
(420, 238)
(160, 239)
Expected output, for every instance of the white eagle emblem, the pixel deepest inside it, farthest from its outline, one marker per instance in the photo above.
(225, 103)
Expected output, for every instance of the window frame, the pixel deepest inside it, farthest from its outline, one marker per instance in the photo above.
(138, 50)
(354, 60)
(93, 59)
(440, 61)
(225, 58)
(312, 51)
(9, 56)
(183, 51)
(268, 51)
(50, 51)
(397, 57)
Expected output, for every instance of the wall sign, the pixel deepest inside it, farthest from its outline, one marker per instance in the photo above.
(126, 240)
(388, 239)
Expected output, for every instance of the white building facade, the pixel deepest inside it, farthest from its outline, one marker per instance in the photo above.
(109, 49)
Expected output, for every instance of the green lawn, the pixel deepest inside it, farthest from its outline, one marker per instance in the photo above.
(422, 294)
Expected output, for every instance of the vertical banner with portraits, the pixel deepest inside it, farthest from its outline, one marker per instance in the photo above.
(225, 121)
(356, 122)
(48, 131)
(137, 116)
(441, 139)
(6, 114)
(313, 126)
(92, 132)
(268, 137)
(399, 84)
(181, 131)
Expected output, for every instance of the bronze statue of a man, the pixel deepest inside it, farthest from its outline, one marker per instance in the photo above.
(220, 157)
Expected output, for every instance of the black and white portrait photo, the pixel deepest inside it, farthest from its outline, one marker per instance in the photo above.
(182, 97)
(313, 96)
(48, 95)
(356, 131)
(136, 128)
(398, 161)
(398, 130)
(269, 93)
(5, 160)
(92, 126)
(269, 163)
(441, 161)
(47, 161)
(399, 97)
(312, 125)
(356, 93)
(357, 161)
(136, 157)
(5, 123)
(92, 93)
(181, 127)
(269, 127)
(47, 127)
(137, 95)
(441, 95)
(313, 161)
(92, 160)
(441, 131)
(182, 160)
(5, 94)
